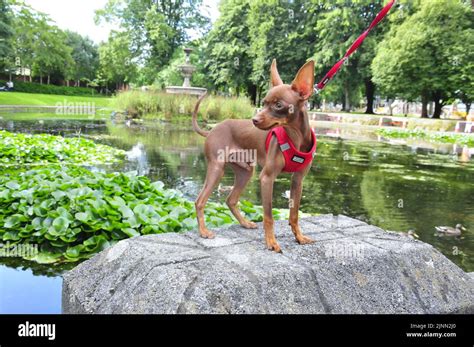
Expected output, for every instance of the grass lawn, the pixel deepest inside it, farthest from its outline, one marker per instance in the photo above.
(51, 116)
(16, 98)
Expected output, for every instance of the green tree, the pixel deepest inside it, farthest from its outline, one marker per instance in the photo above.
(339, 25)
(85, 55)
(51, 54)
(24, 21)
(39, 45)
(156, 28)
(282, 30)
(6, 32)
(429, 55)
(117, 63)
(227, 50)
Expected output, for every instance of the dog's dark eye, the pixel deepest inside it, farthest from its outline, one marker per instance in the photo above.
(278, 105)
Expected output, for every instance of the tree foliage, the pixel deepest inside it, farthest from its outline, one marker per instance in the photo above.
(429, 55)
(46, 50)
(116, 60)
(85, 55)
(155, 28)
(229, 63)
(6, 32)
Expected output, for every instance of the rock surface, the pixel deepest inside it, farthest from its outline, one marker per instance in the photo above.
(352, 267)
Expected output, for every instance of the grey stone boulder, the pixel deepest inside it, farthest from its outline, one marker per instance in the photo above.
(352, 267)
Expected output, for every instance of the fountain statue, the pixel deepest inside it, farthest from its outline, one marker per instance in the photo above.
(186, 71)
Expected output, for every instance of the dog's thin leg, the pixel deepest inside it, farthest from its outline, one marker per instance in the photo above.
(215, 171)
(295, 198)
(266, 180)
(242, 176)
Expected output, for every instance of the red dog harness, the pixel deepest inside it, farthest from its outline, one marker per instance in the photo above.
(294, 159)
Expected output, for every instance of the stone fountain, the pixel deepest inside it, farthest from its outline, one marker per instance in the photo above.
(186, 71)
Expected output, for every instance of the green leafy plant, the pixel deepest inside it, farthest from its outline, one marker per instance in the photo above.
(460, 139)
(72, 213)
(30, 149)
(36, 88)
(169, 106)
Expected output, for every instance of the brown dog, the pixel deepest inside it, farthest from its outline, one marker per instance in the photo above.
(233, 142)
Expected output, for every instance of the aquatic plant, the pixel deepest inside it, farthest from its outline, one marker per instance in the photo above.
(460, 139)
(159, 105)
(20, 149)
(71, 213)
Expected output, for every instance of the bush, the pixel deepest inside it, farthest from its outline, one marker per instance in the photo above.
(167, 106)
(36, 88)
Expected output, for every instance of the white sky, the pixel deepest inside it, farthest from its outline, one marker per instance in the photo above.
(78, 15)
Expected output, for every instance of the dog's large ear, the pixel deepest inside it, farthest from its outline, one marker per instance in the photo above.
(275, 79)
(304, 80)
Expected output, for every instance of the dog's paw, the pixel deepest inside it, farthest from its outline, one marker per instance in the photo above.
(248, 225)
(207, 234)
(304, 240)
(274, 246)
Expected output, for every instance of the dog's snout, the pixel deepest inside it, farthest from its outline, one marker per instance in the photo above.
(255, 121)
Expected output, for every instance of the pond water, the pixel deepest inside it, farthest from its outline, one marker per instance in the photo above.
(392, 186)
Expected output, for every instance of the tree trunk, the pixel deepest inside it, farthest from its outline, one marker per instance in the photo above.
(389, 106)
(41, 79)
(49, 78)
(369, 94)
(468, 108)
(252, 92)
(346, 106)
(259, 96)
(438, 108)
(424, 107)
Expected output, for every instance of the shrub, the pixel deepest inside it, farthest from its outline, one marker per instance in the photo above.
(36, 88)
(166, 106)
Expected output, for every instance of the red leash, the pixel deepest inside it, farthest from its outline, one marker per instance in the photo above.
(353, 48)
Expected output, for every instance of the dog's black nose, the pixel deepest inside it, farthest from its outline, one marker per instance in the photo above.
(255, 121)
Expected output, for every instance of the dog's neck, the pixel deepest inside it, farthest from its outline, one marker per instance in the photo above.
(299, 130)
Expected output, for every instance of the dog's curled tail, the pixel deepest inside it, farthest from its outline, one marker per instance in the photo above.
(195, 123)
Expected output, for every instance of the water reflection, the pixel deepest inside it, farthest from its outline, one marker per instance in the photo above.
(396, 187)
(138, 154)
(367, 133)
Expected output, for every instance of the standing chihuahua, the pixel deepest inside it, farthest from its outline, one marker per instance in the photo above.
(282, 140)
